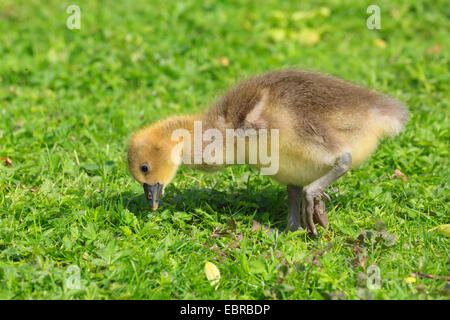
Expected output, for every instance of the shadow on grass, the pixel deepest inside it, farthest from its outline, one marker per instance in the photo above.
(268, 206)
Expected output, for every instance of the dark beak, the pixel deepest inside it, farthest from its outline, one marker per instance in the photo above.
(152, 193)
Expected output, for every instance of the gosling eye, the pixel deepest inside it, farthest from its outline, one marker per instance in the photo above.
(144, 168)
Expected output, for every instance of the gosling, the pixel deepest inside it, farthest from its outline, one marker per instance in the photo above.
(323, 127)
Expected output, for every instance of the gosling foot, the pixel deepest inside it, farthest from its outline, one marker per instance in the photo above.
(313, 211)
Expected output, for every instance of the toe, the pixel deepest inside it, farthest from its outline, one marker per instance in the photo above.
(320, 215)
(308, 215)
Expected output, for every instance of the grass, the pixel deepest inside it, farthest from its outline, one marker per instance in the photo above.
(69, 100)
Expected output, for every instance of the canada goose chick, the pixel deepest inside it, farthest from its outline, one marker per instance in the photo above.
(325, 127)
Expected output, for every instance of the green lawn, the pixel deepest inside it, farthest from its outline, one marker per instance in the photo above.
(70, 99)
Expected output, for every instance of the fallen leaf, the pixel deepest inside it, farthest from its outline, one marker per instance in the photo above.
(380, 43)
(7, 161)
(443, 229)
(308, 37)
(225, 62)
(434, 49)
(277, 34)
(212, 273)
(395, 13)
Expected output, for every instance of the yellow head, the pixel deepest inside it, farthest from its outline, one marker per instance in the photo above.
(150, 161)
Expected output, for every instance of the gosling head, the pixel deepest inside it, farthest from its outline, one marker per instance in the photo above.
(150, 162)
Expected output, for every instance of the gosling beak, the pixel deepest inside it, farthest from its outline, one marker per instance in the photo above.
(152, 194)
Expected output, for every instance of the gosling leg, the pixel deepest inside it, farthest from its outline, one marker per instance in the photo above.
(319, 216)
(294, 208)
(313, 208)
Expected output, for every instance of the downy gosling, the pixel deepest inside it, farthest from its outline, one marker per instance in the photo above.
(315, 126)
